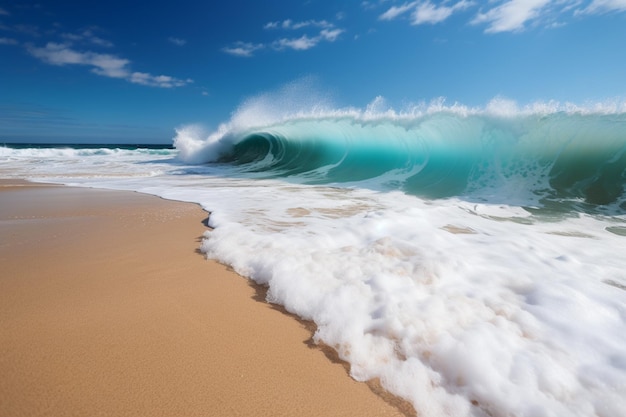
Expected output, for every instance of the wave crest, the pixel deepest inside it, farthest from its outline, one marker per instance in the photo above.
(548, 150)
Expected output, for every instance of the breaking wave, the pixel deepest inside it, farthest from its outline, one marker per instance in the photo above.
(541, 153)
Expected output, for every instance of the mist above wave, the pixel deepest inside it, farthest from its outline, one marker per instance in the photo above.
(530, 152)
(297, 102)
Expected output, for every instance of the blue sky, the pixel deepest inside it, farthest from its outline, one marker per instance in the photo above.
(112, 71)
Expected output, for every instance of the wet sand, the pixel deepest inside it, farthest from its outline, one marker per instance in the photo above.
(107, 308)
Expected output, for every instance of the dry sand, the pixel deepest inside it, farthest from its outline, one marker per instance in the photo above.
(107, 308)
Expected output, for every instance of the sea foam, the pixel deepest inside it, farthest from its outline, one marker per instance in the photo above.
(505, 295)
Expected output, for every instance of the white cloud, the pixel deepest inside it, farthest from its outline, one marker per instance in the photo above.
(71, 50)
(312, 23)
(327, 33)
(299, 44)
(368, 5)
(511, 15)
(108, 65)
(59, 54)
(243, 49)
(4, 12)
(289, 24)
(101, 64)
(8, 41)
(429, 13)
(604, 6)
(307, 42)
(30, 30)
(87, 36)
(21, 29)
(177, 41)
(90, 37)
(101, 42)
(502, 15)
(425, 11)
(395, 11)
(331, 35)
(164, 81)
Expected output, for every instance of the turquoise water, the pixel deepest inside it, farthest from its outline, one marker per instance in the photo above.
(574, 161)
(471, 261)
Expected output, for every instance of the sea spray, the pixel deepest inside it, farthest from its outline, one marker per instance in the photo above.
(490, 292)
(545, 157)
(471, 259)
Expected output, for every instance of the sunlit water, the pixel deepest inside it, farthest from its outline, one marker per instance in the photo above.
(472, 260)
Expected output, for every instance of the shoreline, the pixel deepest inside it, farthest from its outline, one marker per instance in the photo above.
(107, 307)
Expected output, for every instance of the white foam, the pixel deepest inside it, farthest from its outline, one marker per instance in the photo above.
(66, 163)
(449, 307)
(461, 307)
(514, 317)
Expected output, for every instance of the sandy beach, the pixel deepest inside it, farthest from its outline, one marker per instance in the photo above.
(107, 308)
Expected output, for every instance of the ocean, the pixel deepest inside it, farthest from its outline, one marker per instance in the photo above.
(471, 259)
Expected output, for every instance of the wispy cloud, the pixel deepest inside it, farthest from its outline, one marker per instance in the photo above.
(604, 6)
(177, 41)
(395, 11)
(79, 49)
(243, 49)
(61, 54)
(501, 15)
(163, 81)
(30, 30)
(422, 12)
(87, 37)
(106, 65)
(330, 35)
(299, 44)
(512, 15)
(427, 12)
(290, 24)
(325, 32)
(20, 29)
(8, 41)
(305, 42)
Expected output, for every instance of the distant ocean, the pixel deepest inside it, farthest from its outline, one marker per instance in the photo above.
(474, 260)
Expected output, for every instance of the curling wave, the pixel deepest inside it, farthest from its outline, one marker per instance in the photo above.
(553, 156)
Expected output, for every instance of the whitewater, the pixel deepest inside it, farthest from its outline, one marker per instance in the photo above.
(470, 259)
